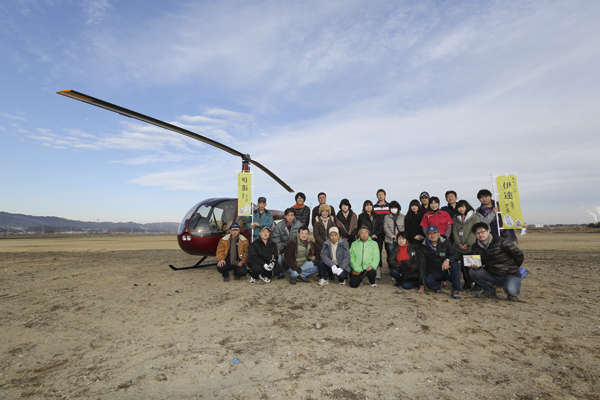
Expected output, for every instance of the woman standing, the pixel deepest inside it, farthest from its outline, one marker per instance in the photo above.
(321, 226)
(373, 222)
(393, 223)
(347, 222)
(464, 220)
(412, 224)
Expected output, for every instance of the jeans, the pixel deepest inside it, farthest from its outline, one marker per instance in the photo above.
(324, 271)
(400, 282)
(280, 263)
(433, 279)
(308, 268)
(510, 284)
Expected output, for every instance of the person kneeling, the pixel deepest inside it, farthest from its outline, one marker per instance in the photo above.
(403, 263)
(364, 258)
(232, 253)
(438, 262)
(299, 256)
(262, 257)
(501, 260)
(335, 258)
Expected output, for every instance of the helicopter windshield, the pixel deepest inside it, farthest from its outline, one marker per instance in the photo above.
(210, 218)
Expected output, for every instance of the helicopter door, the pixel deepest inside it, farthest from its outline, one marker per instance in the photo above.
(213, 219)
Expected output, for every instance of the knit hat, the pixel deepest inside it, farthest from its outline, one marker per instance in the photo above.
(364, 227)
(346, 202)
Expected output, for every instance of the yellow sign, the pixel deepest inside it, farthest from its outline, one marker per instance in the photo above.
(508, 199)
(244, 194)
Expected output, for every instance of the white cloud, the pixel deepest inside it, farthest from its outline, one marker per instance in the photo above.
(95, 10)
(17, 117)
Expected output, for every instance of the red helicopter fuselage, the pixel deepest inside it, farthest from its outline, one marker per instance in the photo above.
(208, 221)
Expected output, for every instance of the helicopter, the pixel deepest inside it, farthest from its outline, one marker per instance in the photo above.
(207, 221)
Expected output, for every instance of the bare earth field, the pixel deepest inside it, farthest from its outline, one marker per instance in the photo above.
(105, 318)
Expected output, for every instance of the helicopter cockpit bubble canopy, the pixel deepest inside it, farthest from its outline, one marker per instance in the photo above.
(209, 217)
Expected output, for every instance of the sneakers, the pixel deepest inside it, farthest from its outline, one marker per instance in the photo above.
(302, 279)
(439, 291)
(476, 288)
(264, 279)
(343, 282)
(292, 281)
(323, 282)
(373, 285)
(487, 295)
(512, 298)
(225, 279)
(445, 285)
(252, 280)
(455, 294)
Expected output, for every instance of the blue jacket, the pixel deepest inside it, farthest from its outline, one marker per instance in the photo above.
(266, 220)
(342, 254)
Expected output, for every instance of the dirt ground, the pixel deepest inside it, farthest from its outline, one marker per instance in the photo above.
(106, 318)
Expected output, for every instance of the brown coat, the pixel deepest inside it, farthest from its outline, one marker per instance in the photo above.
(291, 252)
(321, 233)
(225, 242)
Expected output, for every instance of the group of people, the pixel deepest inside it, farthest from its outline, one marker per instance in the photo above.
(424, 248)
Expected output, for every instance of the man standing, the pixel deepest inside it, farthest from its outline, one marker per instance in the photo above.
(438, 262)
(283, 232)
(438, 218)
(364, 258)
(262, 257)
(451, 198)
(424, 198)
(335, 258)
(501, 260)
(232, 253)
(322, 197)
(381, 208)
(260, 217)
(299, 256)
(302, 212)
(487, 213)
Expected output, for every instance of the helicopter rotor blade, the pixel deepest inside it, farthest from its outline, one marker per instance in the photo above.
(141, 117)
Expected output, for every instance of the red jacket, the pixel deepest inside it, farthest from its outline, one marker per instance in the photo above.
(440, 219)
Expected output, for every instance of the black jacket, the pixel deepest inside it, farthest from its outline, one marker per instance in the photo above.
(375, 227)
(413, 227)
(262, 253)
(408, 268)
(501, 258)
(431, 260)
(303, 215)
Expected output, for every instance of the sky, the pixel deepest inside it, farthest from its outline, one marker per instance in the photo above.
(343, 97)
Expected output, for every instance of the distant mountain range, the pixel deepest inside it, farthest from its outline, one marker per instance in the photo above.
(21, 223)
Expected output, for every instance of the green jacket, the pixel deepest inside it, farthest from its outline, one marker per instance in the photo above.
(467, 236)
(364, 254)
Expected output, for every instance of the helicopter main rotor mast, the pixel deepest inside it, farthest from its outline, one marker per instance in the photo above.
(246, 159)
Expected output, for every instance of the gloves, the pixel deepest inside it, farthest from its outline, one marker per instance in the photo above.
(336, 270)
(268, 267)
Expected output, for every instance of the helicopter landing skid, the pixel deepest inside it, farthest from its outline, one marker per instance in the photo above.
(197, 265)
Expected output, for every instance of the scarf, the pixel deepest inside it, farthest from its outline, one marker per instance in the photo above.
(403, 253)
(297, 207)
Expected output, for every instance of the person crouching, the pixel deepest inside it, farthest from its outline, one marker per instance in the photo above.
(232, 253)
(299, 256)
(403, 263)
(335, 258)
(364, 258)
(262, 257)
(438, 262)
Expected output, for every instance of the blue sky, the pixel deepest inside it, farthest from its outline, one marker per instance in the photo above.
(339, 96)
